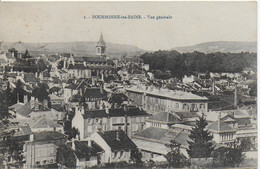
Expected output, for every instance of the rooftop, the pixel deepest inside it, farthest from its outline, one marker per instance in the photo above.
(48, 135)
(165, 117)
(117, 140)
(166, 93)
(114, 113)
(220, 126)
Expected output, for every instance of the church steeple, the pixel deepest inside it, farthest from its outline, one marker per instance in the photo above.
(101, 47)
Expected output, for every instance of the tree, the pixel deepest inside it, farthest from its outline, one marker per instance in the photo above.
(66, 157)
(13, 50)
(174, 156)
(201, 145)
(228, 156)
(246, 144)
(72, 132)
(136, 156)
(41, 65)
(41, 92)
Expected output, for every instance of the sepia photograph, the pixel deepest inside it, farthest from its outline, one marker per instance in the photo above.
(123, 85)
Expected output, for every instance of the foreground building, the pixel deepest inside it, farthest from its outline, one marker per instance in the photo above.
(117, 145)
(89, 121)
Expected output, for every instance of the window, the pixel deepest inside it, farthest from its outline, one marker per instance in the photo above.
(51, 161)
(121, 154)
(177, 105)
(115, 154)
(89, 121)
(37, 162)
(137, 119)
(96, 120)
(202, 106)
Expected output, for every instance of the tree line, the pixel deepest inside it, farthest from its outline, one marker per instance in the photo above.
(178, 64)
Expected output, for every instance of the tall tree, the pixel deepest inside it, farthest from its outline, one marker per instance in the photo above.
(228, 156)
(174, 156)
(201, 145)
(14, 51)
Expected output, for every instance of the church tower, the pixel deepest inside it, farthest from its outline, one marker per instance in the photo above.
(101, 47)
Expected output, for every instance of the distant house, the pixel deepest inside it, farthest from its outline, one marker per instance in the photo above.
(189, 79)
(151, 141)
(39, 123)
(90, 121)
(117, 145)
(41, 149)
(222, 132)
(87, 152)
(56, 100)
(94, 97)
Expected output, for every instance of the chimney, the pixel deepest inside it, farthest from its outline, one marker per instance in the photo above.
(80, 92)
(107, 110)
(64, 64)
(125, 108)
(32, 102)
(219, 117)
(73, 144)
(235, 97)
(126, 124)
(101, 88)
(31, 137)
(213, 87)
(117, 135)
(17, 97)
(79, 109)
(25, 99)
(45, 103)
(89, 142)
(36, 104)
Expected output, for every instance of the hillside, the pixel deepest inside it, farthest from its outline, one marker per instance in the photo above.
(220, 46)
(78, 48)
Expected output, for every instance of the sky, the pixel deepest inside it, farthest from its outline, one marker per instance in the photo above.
(191, 23)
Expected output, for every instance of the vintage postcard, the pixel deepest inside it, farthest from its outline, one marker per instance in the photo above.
(128, 85)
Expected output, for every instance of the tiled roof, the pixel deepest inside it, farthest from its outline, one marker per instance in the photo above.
(16, 106)
(48, 135)
(24, 130)
(83, 151)
(76, 98)
(220, 126)
(45, 122)
(89, 59)
(25, 110)
(56, 80)
(185, 115)
(77, 66)
(166, 93)
(2, 61)
(165, 117)
(94, 114)
(118, 98)
(94, 93)
(122, 143)
(30, 77)
(157, 134)
(114, 113)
